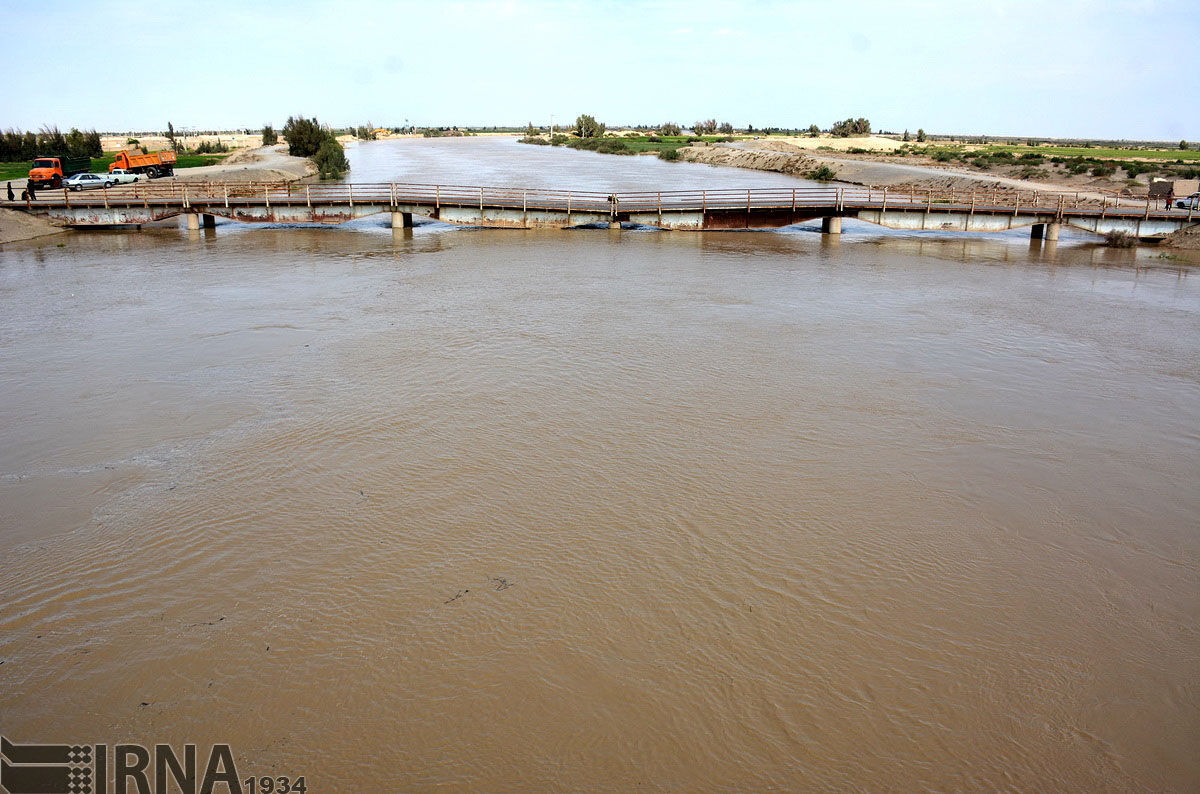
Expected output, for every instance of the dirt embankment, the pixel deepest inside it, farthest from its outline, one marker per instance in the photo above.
(1188, 238)
(760, 160)
(16, 225)
(264, 164)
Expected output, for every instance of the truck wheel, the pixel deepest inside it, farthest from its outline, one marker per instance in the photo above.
(152, 172)
(56, 182)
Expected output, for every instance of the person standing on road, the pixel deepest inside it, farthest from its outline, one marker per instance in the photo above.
(10, 193)
(1167, 198)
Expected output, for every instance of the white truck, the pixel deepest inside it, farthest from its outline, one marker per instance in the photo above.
(122, 176)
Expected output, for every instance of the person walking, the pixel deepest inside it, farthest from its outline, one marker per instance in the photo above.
(1170, 194)
(11, 197)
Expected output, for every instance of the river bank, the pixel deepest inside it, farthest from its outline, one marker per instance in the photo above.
(263, 164)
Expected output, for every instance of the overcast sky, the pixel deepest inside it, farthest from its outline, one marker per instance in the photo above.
(1063, 68)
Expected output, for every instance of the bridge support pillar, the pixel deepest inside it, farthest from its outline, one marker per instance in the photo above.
(831, 225)
(1045, 231)
(208, 221)
(193, 221)
(402, 220)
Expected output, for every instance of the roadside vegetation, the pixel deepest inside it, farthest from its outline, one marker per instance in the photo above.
(1045, 162)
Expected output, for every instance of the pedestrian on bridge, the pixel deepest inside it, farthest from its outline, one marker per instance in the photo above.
(29, 190)
(1170, 194)
(10, 193)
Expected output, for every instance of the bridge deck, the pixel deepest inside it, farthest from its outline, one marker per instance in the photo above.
(222, 198)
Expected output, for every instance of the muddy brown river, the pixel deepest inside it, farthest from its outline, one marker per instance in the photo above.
(601, 510)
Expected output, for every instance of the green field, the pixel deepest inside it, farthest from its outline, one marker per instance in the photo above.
(20, 170)
(1098, 153)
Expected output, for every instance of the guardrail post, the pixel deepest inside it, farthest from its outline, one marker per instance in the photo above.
(568, 208)
(393, 186)
(106, 197)
(226, 186)
(884, 200)
(437, 196)
(66, 196)
(307, 197)
(1147, 215)
(350, 189)
(481, 200)
(972, 202)
(186, 203)
(267, 196)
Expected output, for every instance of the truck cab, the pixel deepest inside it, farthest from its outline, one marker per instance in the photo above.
(50, 171)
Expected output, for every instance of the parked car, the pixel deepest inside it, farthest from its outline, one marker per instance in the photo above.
(1191, 202)
(88, 182)
(120, 176)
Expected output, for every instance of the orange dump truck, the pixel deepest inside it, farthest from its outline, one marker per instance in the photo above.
(152, 165)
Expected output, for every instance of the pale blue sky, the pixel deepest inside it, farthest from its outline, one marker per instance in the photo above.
(1117, 69)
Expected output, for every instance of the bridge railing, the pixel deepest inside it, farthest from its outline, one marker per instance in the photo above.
(190, 194)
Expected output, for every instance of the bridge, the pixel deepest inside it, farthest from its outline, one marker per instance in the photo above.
(699, 210)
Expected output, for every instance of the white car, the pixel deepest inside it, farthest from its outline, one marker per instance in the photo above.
(1191, 202)
(88, 182)
(120, 176)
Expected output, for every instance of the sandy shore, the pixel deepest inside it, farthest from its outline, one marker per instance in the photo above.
(16, 225)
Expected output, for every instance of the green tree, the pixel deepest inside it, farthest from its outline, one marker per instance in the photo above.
(269, 137)
(813, 131)
(1183, 144)
(920, 135)
(669, 128)
(330, 159)
(530, 130)
(587, 127)
(906, 138)
(304, 136)
(174, 144)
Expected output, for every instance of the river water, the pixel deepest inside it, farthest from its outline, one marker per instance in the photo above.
(604, 510)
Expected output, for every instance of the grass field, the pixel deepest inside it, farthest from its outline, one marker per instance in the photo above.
(1098, 153)
(19, 171)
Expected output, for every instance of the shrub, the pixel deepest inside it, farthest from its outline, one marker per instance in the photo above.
(269, 136)
(920, 136)
(132, 142)
(1119, 239)
(670, 155)
(536, 141)
(822, 174)
(210, 147)
(669, 128)
(1103, 170)
(331, 159)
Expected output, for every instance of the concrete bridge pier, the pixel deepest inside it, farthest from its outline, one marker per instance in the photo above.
(1045, 231)
(402, 220)
(195, 220)
(831, 225)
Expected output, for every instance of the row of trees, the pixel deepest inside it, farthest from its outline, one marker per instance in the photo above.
(310, 138)
(16, 145)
